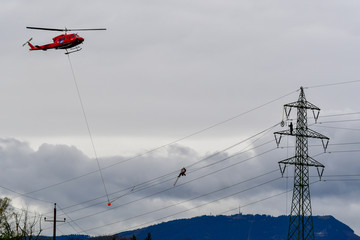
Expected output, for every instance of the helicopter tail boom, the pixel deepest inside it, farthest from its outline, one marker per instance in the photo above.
(32, 47)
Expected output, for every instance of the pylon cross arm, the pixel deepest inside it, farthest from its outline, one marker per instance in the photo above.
(313, 163)
(301, 104)
(309, 134)
(313, 134)
(283, 163)
(310, 162)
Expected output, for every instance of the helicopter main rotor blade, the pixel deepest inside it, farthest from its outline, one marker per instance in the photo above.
(65, 29)
(48, 29)
(86, 29)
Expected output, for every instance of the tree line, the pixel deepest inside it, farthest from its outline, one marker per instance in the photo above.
(116, 237)
(17, 224)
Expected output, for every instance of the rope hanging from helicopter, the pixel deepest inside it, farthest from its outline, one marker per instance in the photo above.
(88, 129)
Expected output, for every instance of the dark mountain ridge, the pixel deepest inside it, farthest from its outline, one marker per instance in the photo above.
(236, 227)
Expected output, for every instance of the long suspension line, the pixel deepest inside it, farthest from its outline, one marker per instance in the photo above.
(88, 128)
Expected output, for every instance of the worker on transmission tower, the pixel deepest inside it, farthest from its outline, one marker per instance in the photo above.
(291, 128)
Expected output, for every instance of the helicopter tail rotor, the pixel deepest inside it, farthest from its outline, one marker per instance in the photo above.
(27, 41)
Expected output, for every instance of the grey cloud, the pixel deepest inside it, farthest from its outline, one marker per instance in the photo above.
(164, 70)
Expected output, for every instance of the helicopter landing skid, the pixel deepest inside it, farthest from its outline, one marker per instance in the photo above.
(72, 50)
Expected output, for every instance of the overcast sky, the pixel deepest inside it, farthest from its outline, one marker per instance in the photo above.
(169, 84)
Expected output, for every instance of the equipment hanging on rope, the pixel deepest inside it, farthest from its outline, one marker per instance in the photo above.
(182, 173)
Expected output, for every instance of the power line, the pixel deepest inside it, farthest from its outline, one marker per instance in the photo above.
(341, 128)
(170, 188)
(24, 195)
(162, 146)
(118, 163)
(217, 153)
(349, 178)
(264, 199)
(236, 144)
(180, 184)
(335, 121)
(71, 221)
(260, 200)
(146, 187)
(340, 114)
(192, 180)
(162, 191)
(135, 189)
(153, 182)
(333, 84)
(341, 180)
(344, 151)
(198, 206)
(200, 196)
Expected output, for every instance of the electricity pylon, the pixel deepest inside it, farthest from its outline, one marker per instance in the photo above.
(301, 223)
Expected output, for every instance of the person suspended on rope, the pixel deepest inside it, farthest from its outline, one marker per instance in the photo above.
(182, 173)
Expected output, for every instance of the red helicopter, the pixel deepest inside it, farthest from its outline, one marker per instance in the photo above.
(69, 42)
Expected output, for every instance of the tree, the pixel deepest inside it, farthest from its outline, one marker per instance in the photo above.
(133, 237)
(109, 237)
(5, 215)
(17, 224)
(26, 226)
(148, 237)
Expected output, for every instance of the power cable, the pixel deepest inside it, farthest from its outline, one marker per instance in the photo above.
(213, 155)
(234, 145)
(198, 206)
(197, 197)
(185, 182)
(263, 199)
(154, 182)
(170, 188)
(333, 84)
(341, 180)
(195, 179)
(335, 121)
(24, 195)
(340, 114)
(340, 128)
(344, 151)
(170, 179)
(160, 147)
(71, 221)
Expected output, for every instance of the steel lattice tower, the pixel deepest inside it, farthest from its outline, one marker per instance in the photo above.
(301, 222)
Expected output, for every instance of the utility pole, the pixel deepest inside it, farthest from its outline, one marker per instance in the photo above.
(54, 221)
(301, 222)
